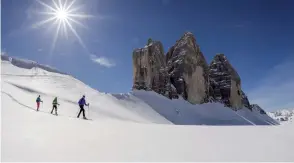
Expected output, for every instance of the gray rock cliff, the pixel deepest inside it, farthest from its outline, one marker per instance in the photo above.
(149, 70)
(188, 69)
(225, 82)
(183, 71)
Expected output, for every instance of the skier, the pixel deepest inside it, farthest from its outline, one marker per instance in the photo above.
(38, 102)
(82, 102)
(54, 103)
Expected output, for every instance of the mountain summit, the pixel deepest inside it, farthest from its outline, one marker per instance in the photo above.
(184, 72)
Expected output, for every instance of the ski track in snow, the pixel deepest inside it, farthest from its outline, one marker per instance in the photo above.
(136, 126)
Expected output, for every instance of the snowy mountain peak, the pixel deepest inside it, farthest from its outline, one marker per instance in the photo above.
(28, 64)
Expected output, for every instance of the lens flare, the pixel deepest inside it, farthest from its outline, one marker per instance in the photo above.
(63, 15)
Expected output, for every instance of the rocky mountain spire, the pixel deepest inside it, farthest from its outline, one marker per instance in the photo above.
(225, 82)
(188, 69)
(185, 72)
(149, 70)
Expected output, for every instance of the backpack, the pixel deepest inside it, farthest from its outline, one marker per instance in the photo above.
(82, 101)
(55, 101)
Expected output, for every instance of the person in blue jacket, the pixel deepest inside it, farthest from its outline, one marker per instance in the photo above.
(82, 102)
(38, 100)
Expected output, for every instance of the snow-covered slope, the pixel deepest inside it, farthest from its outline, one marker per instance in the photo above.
(137, 106)
(126, 127)
(24, 86)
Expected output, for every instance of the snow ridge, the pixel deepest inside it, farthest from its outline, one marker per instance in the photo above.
(28, 64)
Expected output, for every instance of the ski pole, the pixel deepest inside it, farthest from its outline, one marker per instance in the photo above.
(89, 110)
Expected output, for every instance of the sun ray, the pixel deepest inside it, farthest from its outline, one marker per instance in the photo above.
(76, 34)
(65, 29)
(78, 23)
(47, 6)
(60, 5)
(46, 13)
(80, 15)
(36, 25)
(63, 15)
(69, 6)
(64, 5)
(55, 36)
(56, 5)
(74, 9)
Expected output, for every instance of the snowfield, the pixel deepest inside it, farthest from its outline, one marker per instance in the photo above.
(136, 126)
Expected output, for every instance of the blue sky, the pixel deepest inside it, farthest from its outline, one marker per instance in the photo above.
(257, 36)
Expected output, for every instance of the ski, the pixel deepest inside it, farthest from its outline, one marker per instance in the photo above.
(88, 119)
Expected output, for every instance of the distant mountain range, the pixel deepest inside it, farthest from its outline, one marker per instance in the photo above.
(283, 115)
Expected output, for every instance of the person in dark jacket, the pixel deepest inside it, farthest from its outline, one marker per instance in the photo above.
(54, 103)
(38, 100)
(82, 102)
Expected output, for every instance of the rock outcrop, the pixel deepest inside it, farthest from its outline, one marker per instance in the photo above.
(225, 82)
(258, 108)
(188, 70)
(245, 101)
(149, 70)
(183, 71)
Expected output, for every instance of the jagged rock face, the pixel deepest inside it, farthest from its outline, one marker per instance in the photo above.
(149, 70)
(258, 108)
(225, 82)
(188, 70)
(245, 101)
(184, 71)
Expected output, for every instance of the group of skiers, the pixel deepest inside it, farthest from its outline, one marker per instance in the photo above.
(82, 103)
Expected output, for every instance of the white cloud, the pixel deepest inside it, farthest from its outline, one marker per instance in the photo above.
(276, 90)
(39, 50)
(103, 61)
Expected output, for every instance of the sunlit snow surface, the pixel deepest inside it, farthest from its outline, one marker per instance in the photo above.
(137, 126)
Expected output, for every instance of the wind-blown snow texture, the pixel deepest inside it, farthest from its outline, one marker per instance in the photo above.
(123, 126)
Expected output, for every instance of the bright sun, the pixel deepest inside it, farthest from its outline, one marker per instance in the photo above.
(63, 16)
